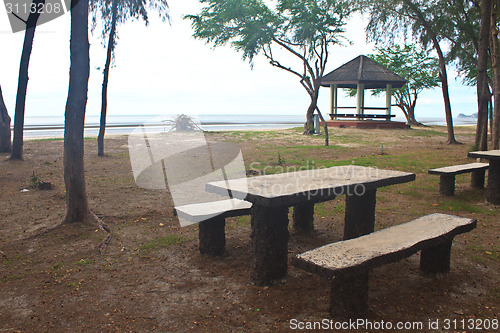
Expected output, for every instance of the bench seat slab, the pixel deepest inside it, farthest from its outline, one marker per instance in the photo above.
(203, 211)
(382, 247)
(459, 169)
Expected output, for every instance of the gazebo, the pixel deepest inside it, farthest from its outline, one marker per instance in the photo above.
(362, 73)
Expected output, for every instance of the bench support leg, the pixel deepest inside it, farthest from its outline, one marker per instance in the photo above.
(447, 185)
(359, 214)
(477, 179)
(269, 244)
(436, 259)
(349, 296)
(493, 190)
(212, 236)
(303, 217)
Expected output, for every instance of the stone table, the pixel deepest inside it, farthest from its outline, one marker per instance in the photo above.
(271, 196)
(493, 188)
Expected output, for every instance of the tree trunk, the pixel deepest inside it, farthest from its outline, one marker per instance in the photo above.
(446, 96)
(325, 127)
(481, 141)
(309, 117)
(104, 94)
(495, 65)
(77, 208)
(22, 84)
(308, 126)
(5, 144)
(442, 71)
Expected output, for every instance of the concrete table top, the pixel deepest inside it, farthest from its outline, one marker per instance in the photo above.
(489, 155)
(290, 188)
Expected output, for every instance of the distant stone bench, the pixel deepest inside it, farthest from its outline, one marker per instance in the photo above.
(211, 217)
(447, 176)
(347, 263)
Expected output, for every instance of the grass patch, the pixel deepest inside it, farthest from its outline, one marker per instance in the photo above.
(490, 253)
(426, 133)
(161, 242)
(458, 205)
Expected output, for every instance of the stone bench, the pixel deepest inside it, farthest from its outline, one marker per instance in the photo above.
(447, 176)
(347, 263)
(211, 217)
(361, 116)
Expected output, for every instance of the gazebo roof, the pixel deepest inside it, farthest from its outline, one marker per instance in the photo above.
(362, 70)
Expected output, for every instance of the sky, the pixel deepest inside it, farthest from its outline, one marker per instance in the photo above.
(162, 69)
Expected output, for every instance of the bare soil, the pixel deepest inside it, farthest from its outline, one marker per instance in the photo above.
(152, 278)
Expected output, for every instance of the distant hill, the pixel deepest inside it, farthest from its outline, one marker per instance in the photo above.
(474, 115)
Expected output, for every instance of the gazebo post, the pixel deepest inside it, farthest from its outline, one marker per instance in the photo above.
(333, 100)
(360, 101)
(336, 98)
(388, 95)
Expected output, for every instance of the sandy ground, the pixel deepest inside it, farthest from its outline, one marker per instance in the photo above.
(152, 277)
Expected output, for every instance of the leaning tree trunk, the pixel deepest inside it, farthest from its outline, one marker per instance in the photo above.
(5, 144)
(104, 94)
(495, 65)
(411, 113)
(77, 208)
(446, 95)
(22, 84)
(325, 127)
(308, 126)
(481, 141)
(309, 118)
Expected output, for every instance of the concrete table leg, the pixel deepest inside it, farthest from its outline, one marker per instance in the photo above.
(493, 190)
(349, 296)
(477, 179)
(447, 185)
(269, 244)
(360, 214)
(436, 259)
(212, 237)
(303, 217)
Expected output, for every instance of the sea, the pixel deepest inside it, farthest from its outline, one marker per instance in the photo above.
(53, 126)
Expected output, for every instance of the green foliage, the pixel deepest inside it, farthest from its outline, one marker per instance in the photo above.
(101, 12)
(250, 25)
(414, 65)
(281, 160)
(34, 180)
(304, 29)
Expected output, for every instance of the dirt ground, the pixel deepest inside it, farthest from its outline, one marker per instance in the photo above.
(152, 278)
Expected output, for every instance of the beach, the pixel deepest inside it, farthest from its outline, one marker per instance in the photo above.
(53, 126)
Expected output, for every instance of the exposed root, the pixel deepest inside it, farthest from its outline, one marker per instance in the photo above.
(102, 226)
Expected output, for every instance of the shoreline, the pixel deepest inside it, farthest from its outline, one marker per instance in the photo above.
(45, 129)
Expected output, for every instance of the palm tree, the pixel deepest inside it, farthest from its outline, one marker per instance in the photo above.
(112, 13)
